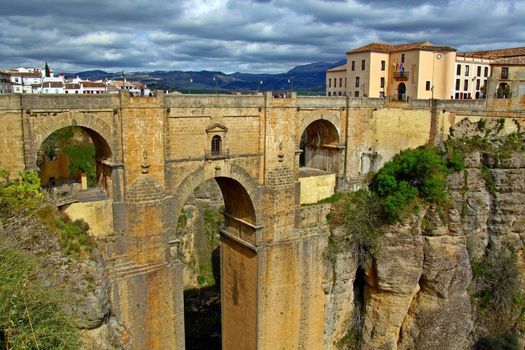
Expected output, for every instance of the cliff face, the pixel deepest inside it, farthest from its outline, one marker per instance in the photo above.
(423, 289)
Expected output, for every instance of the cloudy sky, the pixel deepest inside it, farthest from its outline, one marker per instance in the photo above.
(239, 35)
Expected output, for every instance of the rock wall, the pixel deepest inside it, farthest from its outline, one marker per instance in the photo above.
(419, 289)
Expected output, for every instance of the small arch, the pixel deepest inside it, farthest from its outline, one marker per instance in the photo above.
(503, 90)
(401, 91)
(320, 146)
(102, 155)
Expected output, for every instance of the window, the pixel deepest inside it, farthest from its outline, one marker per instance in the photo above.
(340, 82)
(329, 93)
(335, 82)
(357, 82)
(467, 70)
(382, 83)
(216, 144)
(363, 64)
(458, 69)
(402, 58)
(383, 65)
(427, 85)
(478, 84)
(339, 93)
(345, 82)
(329, 83)
(465, 85)
(356, 93)
(457, 96)
(353, 65)
(504, 73)
(479, 71)
(458, 82)
(486, 72)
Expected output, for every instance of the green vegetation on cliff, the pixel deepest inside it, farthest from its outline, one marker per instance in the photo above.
(33, 311)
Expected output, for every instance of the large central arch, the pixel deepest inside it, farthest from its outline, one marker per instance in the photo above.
(238, 256)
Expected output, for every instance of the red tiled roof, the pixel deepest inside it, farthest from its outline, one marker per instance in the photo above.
(509, 52)
(338, 69)
(93, 84)
(53, 84)
(72, 86)
(511, 61)
(387, 48)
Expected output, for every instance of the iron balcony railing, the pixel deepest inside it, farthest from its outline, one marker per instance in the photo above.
(401, 75)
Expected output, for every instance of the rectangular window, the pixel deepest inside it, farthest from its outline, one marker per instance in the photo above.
(467, 70)
(363, 64)
(504, 73)
(402, 58)
(427, 85)
(353, 65)
(479, 71)
(383, 65)
(458, 82)
(465, 85)
(382, 82)
(335, 82)
(486, 72)
(478, 84)
(458, 69)
(329, 83)
(357, 82)
(345, 82)
(457, 96)
(329, 93)
(340, 82)
(356, 93)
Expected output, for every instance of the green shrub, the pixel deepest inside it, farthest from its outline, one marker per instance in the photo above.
(412, 173)
(74, 238)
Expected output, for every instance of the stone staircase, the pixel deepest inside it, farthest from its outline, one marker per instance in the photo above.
(122, 267)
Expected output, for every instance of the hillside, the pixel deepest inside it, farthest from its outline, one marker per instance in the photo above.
(306, 79)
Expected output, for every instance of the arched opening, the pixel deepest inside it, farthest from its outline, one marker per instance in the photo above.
(401, 92)
(216, 146)
(215, 218)
(320, 147)
(503, 91)
(73, 162)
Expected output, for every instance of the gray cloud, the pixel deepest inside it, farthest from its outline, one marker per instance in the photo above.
(239, 35)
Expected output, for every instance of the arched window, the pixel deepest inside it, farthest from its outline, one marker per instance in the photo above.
(216, 145)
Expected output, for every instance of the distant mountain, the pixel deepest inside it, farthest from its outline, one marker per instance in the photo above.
(306, 79)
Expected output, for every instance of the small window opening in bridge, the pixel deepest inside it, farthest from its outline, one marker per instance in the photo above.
(72, 164)
(217, 210)
(216, 146)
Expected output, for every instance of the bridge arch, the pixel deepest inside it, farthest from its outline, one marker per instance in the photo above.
(103, 153)
(98, 130)
(238, 254)
(236, 179)
(320, 144)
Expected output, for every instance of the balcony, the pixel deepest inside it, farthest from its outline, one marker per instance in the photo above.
(216, 154)
(240, 229)
(401, 75)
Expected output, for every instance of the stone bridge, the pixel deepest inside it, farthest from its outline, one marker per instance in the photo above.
(152, 152)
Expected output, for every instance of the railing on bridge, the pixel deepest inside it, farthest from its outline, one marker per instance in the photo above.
(240, 229)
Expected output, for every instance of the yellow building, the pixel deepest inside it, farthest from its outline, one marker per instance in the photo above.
(417, 70)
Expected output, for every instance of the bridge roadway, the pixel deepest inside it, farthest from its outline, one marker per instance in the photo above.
(152, 152)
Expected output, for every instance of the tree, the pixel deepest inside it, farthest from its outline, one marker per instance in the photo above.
(48, 72)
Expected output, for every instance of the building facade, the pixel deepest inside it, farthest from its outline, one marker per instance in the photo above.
(418, 70)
